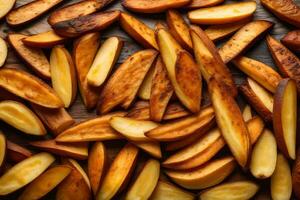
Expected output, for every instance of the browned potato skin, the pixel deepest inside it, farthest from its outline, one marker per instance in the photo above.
(296, 175)
(292, 40)
(285, 10)
(203, 3)
(84, 24)
(28, 12)
(16, 153)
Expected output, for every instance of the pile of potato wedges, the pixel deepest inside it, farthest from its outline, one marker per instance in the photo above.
(169, 122)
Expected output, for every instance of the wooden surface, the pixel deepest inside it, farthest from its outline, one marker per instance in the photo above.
(258, 51)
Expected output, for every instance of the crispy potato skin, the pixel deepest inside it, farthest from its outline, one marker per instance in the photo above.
(296, 175)
(292, 40)
(203, 3)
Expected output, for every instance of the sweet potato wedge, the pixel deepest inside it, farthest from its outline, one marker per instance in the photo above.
(7, 5)
(203, 3)
(292, 40)
(17, 153)
(286, 10)
(260, 72)
(34, 58)
(44, 40)
(84, 52)
(84, 24)
(247, 113)
(145, 89)
(296, 175)
(127, 78)
(30, 11)
(3, 52)
(157, 6)
(243, 39)
(3, 148)
(223, 14)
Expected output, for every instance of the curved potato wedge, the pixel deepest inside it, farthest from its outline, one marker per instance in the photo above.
(45, 182)
(104, 61)
(44, 40)
(127, 78)
(77, 166)
(157, 6)
(3, 52)
(84, 52)
(145, 183)
(212, 173)
(286, 10)
(7, 5)
(29, 12)
(247, 114)
(3, 148)
(292, 40)
(22, 118)
(33, 57)
(223, 14)
(119, 172)
(285, 117)
(152, 148)
(203, 3)
(296, 175)
(243, 39)
(97, 129)
(145, 89)
(63, 75)
(17, 153)
(84, 24)
(260, 72)
(26, 171)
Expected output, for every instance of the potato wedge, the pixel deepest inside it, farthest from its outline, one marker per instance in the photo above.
(97, 129)
(84, 52)
(84, 24)
(143, 186)
(212, 173)
(63, 75)
(238, 190)
(161, 91)
(29, 12)
(33, 57)
(3, 52)
(78, 151)
(285, 117)
(27, 171)
(151, 148)
(145, 89)
(3, 148)
(258, 71)
(203, 3)
(168, 191)
(45, 182)
(179, 29)
(104, 61)
(296, 175)
(22, 118)
(230, 121)
(46, 39)
(17, 153)
(97, 162)
(264, 155)
(77, 166)
(247, 113)
(243, 39)
(127, 78)
(286, 10)
(6, 6)
(281, 180)
(119, 172)
(182, 128)
(292, 40)
(260, 99)
(223, 14)
(157, 6)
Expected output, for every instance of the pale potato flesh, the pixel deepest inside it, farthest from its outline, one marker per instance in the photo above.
(145, 89)
(2, 148)
(3, 51)
(6, 6)
(247, 114)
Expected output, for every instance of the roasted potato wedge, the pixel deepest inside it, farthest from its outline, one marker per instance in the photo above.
(33, 57)
(296, 175)
(243, 39)
(127, 78)
(7, 5)
(84, 24)
(3, 52)
(30, 11)
(44, 40)
(223, 14)
(247, 113)
(151, 148)
(203, 3)
(292, 40)
(145, 89)
(17, 153)
(3, 148)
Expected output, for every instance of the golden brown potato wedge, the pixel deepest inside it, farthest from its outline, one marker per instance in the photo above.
(78, 151)
(7, 5)
(33, 57)
(44, 40)
(247, 113)
(145, 89)
(223, 14)
(63, 75)
(45, 182)
(21, 117)
(296, 175)
(119, 172)
(84, 52)
(97, 129)
(210, 174)
(255, 128)
(258, 71)
(285, 117)
(286, 10)
(203, 3)
(243, 39)
(84, 24)
(152, 148)
(260, 99)
(292, 40)
(26, 171)
(3, 52)
(30, 11)
(3, 148)
(143, 186)
(138, 30)
(281, 180)
(104, 61)
(230, 121)
(17, 153)
(146, 6)
(182, 128)
(127, 78)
